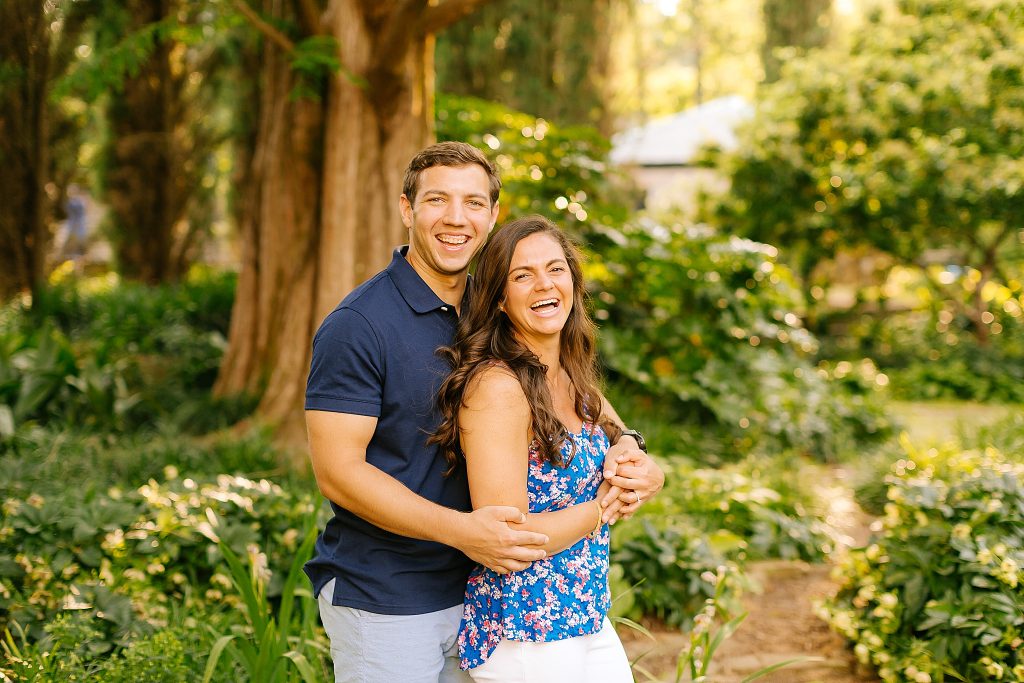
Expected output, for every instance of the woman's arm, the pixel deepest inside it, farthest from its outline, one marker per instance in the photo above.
(495, 429)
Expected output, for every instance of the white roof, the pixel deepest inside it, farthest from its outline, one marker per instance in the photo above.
(675, 140)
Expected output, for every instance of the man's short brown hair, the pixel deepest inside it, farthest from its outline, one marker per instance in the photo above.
(448, 154)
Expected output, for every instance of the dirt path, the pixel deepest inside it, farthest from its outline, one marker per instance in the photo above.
(781, 622)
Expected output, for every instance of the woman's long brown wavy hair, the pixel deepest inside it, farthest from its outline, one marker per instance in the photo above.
(485, 335)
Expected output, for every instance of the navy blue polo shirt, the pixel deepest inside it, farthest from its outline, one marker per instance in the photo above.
(375, 355)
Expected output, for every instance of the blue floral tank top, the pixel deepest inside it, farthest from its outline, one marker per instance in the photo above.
(561, 596)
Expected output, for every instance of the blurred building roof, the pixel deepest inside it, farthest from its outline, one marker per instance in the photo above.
(675, 140)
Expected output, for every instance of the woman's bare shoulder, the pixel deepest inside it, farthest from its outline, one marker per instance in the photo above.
(497, 385)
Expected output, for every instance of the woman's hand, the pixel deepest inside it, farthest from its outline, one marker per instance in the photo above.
(634, 478)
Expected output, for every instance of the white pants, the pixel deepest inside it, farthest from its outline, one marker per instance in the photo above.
(597, 658)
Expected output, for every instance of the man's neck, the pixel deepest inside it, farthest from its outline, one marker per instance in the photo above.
(448, 288)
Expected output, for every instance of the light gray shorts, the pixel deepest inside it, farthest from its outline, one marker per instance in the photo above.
(388, 648)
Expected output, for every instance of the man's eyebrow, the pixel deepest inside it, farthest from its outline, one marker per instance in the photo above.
(475, 195)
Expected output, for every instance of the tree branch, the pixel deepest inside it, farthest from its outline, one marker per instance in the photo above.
(443, 13)
(266, 29)
(394, 40)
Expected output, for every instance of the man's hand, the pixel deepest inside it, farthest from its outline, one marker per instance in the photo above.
(485, 537)
(633, 473)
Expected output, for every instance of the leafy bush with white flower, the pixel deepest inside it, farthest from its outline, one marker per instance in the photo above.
(939, 593)
(130, 556)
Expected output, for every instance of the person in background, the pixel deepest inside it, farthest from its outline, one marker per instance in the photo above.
(75, 245)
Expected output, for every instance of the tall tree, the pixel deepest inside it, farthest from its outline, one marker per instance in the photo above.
(884, 145)
(792, 23)
(36, 44)
(549, 59)
(319, 212)
(160, 132)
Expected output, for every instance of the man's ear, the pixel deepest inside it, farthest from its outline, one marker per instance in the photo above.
(494, 217)
(405, 207)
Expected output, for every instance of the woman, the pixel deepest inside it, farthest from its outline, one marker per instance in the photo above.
(522, 406)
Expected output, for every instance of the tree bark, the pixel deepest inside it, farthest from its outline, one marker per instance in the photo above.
(26, 70)
(324, 188)
(154, 157)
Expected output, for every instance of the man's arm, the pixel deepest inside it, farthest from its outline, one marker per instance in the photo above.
(634, 475)
(338, 443)
(495, 424)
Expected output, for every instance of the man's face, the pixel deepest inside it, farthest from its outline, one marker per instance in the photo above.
(448, 219)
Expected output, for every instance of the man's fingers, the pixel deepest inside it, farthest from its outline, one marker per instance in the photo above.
(508, 513)
(627, 483)
(519, 537)
(630, 471)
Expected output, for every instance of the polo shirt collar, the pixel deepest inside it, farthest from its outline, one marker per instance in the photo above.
(410, 285)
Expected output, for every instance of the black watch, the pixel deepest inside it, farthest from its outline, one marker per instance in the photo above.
(638, 436)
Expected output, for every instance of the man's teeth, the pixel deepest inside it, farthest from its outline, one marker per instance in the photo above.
(453, 239)
(545, 302)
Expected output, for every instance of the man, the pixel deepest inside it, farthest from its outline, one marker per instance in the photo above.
(390, 568)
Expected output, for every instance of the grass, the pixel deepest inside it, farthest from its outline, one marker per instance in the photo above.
(929, 422)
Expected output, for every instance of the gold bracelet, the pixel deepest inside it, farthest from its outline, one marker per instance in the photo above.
(600, 521)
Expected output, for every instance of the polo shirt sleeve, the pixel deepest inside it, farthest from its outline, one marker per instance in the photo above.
(346, 374)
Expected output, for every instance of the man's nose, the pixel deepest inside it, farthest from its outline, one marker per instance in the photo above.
(454, 214)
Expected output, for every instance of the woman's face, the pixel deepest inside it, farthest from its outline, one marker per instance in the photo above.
(539, 289)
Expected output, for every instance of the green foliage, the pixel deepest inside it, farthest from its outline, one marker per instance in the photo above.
(1006, 436)
(890, 144)
(559, 172)
(706, 518)
(936, 353)
(665, 561)
(98, 359)
(713, 324)
(108, 68)
(276, 644)
(938, 594)
(314, 60)
(126, 555)
(547, 59)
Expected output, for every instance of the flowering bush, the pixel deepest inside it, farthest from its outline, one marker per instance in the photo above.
(128, 555)
(939, 593)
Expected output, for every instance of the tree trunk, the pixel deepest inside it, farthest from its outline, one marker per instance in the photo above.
(147, 184)
(325, 183)
(25, 75)
(792, 23)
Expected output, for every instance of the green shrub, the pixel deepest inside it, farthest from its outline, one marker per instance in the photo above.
(712, 324)
(559, 172)
(129, 555)
(105, 356)
(164, 657)
(938, 594)
(705, 518)
(665, 561)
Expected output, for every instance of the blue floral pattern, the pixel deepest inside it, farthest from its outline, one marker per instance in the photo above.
(561, 596)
